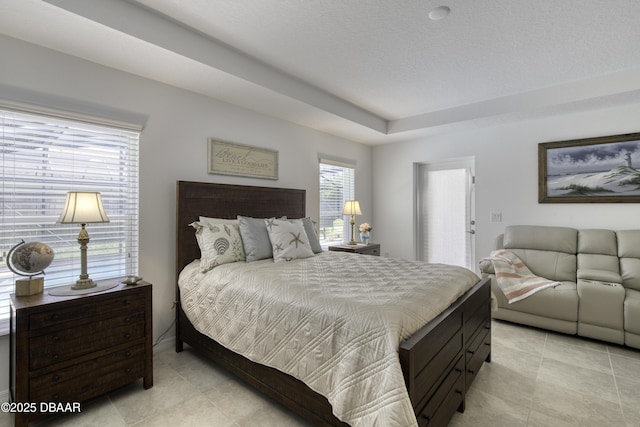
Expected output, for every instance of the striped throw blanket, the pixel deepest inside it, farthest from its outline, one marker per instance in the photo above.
(514, 278)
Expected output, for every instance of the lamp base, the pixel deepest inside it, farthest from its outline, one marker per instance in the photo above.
(84, 284)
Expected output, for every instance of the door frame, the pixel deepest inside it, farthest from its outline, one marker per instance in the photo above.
(417, 199)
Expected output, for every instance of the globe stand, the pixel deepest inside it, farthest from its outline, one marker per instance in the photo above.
(31, 286)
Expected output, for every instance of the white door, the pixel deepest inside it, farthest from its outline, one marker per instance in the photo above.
(445, 206)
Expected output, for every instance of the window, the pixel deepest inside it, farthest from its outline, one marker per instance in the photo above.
(43, 157)
(337, 184)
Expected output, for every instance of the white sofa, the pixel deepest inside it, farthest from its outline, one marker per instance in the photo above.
(599, 275)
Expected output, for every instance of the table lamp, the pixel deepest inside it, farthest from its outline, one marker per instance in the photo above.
(352, 207)
(83, 208)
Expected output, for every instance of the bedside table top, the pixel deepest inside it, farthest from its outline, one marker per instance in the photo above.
(44, 298)
(360, 248)
(344, 246)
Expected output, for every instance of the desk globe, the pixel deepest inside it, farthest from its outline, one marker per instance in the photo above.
(29, 259)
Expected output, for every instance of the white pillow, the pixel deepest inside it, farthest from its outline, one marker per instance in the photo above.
(288, 239)
(219, 244)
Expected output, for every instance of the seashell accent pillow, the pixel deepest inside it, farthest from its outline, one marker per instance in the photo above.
(220, 243)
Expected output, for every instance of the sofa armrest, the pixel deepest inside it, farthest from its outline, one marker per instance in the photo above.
(486, 267)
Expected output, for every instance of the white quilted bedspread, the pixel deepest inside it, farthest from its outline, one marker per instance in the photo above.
(334, 321)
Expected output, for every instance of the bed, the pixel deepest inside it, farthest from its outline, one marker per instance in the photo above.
(438, 362)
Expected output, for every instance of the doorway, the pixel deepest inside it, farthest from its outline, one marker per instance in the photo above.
(445, 212)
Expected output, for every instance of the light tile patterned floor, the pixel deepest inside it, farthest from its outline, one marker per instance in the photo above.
(535, 379)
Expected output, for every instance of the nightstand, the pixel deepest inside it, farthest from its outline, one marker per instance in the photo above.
(68, 349)
(370, 249)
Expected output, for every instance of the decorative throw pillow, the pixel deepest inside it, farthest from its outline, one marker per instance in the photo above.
(312, 235)
(219, 244)
(288, 239)
(255, 238)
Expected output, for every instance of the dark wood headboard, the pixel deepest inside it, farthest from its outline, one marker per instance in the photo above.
(196, 199)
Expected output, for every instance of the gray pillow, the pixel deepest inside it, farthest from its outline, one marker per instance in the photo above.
(255, 238)
(312, 235)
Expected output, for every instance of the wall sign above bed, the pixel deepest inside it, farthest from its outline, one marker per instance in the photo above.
(226, 158)
(592, 170)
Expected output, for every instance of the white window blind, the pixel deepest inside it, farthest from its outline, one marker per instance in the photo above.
(44, 157)
(337, 184)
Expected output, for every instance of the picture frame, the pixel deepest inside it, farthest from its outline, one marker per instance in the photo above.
(230, 158)
(591, 170)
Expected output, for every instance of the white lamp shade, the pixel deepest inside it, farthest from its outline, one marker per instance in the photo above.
(83, 208)
(351, 207)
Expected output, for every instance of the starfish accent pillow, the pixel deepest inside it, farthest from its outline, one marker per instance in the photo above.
(288, 239)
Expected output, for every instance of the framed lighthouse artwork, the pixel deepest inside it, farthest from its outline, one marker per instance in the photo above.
(592, 170)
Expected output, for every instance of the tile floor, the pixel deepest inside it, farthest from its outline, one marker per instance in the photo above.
(536, 378)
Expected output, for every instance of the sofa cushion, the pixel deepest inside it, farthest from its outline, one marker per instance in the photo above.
(632, 311)
(599, 275)
(599, 262)
(629, 243)
(630, 272)
(559, 302)
(602, 242)
(548, 264)
(557, 239)
(629, 253)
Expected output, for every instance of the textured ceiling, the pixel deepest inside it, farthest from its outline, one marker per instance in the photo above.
(374, 71)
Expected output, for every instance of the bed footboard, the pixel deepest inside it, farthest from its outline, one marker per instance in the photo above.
(441, 361)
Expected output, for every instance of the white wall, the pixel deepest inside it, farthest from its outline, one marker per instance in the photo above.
(174, 147)
(506, 161)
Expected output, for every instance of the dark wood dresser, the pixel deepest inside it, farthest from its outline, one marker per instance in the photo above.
(370, 249)
(69, 349)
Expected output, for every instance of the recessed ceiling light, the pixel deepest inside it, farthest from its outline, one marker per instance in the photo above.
(439, 13)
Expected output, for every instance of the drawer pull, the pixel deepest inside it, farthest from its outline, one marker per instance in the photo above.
(471, 371)
(127, 354)
(126, 302)
(128, 370)
(55, 378)
(55, 397)
(426, 417)
(55, 338)
(55, 357)
(471, 351)
(55, 317)
(127, 336)
(127, 320)
(487, 343)
(459, 392)
(487, 327)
